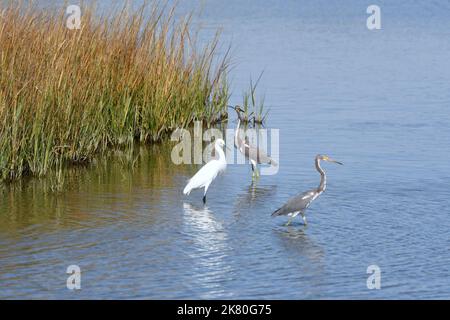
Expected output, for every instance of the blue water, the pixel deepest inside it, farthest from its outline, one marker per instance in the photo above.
(376, 100)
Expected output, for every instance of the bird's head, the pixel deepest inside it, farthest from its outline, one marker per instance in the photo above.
(237, 108)
(327, 158)
(220, 143)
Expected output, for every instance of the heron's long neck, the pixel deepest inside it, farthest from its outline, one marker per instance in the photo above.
(323, 177)
(222, 157)
(236, 133)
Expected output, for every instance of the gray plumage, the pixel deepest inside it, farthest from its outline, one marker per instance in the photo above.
(254, 154)
(250, 152)
(299, 203)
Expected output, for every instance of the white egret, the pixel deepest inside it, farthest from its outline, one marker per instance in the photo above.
(206, 175)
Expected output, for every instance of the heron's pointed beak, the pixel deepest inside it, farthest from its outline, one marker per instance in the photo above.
(334, 161)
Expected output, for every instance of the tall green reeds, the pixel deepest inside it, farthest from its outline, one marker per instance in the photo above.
(66, 95)
(254, 110)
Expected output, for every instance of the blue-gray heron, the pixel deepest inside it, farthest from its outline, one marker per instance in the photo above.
(255, 155)
(299, 203)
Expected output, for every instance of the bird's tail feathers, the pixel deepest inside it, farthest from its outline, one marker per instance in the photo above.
(276, 212)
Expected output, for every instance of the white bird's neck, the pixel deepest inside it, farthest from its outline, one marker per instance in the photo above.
(219, 150)
(236, 133)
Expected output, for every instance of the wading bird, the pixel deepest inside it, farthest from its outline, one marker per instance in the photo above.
(206, 175)
(299, 203)
(241, 114)
(255, 155)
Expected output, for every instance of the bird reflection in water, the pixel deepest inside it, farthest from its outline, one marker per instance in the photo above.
(308, 258)
(298, 245)
(254, 194)
(209, 249)
(201, 219)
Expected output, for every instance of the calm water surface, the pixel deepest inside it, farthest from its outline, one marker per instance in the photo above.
(376, 100)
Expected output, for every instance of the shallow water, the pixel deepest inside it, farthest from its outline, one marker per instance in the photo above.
(375, 100)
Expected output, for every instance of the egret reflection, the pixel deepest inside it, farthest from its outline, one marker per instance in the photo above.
(209, 249)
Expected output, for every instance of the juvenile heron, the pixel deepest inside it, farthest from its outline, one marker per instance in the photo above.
(241, 114)
(206, 175)
(299, 203)
(254, 154)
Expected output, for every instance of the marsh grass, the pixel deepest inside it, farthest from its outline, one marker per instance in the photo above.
(254, 108)
(110, 172)
(66, 95)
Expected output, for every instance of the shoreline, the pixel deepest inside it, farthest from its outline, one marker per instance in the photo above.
(69, 95)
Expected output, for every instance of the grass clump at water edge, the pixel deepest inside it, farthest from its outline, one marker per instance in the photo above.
(66, 95)
(253, 110)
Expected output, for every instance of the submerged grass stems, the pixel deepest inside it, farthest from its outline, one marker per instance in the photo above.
(66, 95)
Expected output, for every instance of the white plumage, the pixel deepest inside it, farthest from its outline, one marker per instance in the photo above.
(206, 175)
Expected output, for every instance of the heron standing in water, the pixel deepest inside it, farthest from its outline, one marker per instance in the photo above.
(206, 175)
(254, 154)
(299, 203)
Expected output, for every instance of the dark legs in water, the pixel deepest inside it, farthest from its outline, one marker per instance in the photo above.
(204, 193)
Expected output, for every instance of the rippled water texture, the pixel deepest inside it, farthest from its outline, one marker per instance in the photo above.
(376, 100)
